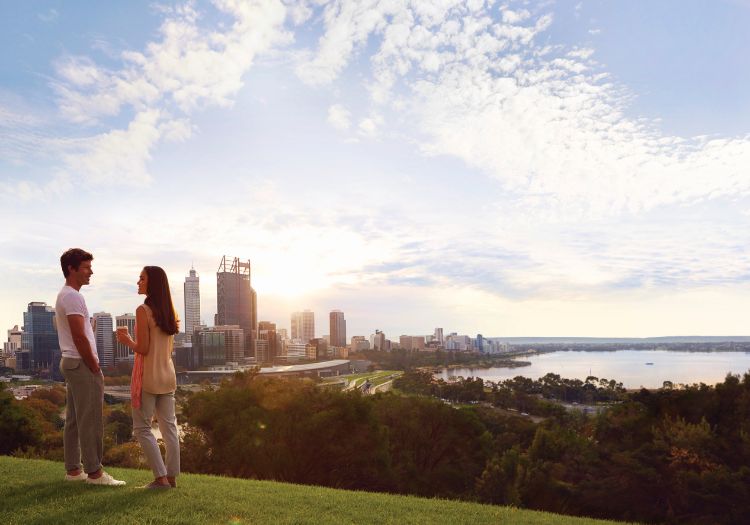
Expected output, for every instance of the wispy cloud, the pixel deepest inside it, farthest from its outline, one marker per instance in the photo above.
(190, 67)
(546, 122)
(48, 16)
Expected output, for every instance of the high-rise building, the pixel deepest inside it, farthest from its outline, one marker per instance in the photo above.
(439, 336)
(317, 349)
(411, 342)
(210, 347)
(236, 301)
(338, 328)
(192, 302)
(103, 333)
(40, 337)
(359, 343)
(479, 343)
(270, 342)
(234, 342)
(303, 326)
(377, 341)
(15, 338)
(122, 352)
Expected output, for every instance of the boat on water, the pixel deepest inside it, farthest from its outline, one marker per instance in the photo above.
(649, 363)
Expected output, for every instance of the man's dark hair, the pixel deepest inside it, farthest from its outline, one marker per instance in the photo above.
(74, 257)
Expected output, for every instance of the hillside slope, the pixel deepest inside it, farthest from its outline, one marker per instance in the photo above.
(32, 491)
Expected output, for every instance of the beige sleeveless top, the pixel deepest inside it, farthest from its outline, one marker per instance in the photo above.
(158, 369)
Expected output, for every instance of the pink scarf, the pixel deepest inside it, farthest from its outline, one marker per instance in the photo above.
(136, 381)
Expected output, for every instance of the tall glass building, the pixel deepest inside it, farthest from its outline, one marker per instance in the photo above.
(236, 301)
(40, 337)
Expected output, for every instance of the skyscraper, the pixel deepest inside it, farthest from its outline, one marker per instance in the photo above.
(40, 336)
(122, 352)
(337, 328)
(103, 334)
(236, 301)
(192, 302)
(303, 325)
(270, 342)
(439, 336)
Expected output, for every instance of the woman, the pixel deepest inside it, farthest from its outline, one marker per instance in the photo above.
(153, 382)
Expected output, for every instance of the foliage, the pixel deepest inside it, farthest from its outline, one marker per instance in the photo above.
(20, 428)
(679, 454)
(287, 430)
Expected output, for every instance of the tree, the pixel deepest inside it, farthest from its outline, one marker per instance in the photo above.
(19, 428)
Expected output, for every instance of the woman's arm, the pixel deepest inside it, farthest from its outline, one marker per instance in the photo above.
(142, 335)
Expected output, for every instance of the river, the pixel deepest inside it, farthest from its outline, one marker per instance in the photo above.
(634, 368)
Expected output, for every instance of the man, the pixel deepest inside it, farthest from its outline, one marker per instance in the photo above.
(84, 427)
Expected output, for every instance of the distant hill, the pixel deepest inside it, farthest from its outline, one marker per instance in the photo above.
(622, 340)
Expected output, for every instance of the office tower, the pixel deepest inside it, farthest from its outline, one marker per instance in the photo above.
(270, 342)
(234, 342)
(377, 340)
(317, 349)
(294, 350)
(439, 336)
(337, 328)
(192, 302)
(14, 342)
(359, 343)
(40, 337)
(479, 343)
(103, 334)
(209, 347)
(303, 325)
(236, 301)
(122, 352)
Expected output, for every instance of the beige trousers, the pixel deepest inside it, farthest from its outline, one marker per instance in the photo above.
(164, 407)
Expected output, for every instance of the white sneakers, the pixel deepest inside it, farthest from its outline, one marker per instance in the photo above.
(80, 477)
(105, 479)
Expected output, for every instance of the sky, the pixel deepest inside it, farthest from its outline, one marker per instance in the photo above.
(507, 168)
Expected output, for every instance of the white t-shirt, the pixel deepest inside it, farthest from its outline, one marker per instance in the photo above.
(71, 302)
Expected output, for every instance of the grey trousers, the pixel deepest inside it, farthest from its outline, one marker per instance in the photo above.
(164, 407)
(84, 428)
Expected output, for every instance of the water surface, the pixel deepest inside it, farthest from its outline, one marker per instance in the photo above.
(626, 366)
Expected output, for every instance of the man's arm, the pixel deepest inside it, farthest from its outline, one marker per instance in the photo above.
(83, 346)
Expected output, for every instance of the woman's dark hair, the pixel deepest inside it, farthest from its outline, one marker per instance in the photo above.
(74, 257)
(159, 299)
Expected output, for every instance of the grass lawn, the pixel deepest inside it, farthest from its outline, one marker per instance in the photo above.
(33, 491)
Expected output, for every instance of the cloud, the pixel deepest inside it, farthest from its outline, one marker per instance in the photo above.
(121, 156)
(471, 82)
(190, 67)
(369, 126)
(48, 16)
(339, 117)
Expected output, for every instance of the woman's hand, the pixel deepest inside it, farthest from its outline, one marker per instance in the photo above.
(124, 337)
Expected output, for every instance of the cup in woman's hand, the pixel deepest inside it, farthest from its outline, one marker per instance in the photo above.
(122, 333)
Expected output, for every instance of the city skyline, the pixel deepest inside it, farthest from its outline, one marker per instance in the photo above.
(510, 169)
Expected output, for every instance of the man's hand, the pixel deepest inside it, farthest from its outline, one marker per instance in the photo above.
(83, 346)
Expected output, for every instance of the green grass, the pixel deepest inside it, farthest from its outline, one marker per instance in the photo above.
(376, 377)
(33, 491)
